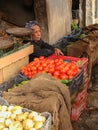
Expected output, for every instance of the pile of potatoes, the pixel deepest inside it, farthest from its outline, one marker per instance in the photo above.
(13, 118)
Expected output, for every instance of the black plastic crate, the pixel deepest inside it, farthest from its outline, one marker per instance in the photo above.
(75, 83)
(9, 84)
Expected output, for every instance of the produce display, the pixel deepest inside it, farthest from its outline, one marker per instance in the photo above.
(60, 69)
(14, 118)
(19, 84)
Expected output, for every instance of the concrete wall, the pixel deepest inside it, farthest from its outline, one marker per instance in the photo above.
(54, 17)
(59, 18)
(88, 12)
(82, 13)
(41, 16)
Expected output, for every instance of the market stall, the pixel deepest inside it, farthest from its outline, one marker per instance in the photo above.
(57, 84)
(73, 88)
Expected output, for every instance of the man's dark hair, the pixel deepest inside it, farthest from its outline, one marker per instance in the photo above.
(31, 23)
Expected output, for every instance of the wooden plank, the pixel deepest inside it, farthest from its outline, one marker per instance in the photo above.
(7, 60)
(14, 68)
(1, 75)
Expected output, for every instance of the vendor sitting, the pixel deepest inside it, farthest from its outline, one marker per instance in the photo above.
(41, 48)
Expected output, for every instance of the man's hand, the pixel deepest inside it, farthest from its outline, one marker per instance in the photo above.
(58, 51)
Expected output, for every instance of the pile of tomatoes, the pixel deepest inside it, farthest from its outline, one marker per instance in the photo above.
(58, 68)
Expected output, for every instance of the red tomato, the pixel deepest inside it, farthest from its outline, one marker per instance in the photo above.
(65, 63)
(36, 59)
(26, 73)
(40, 68)
(76, 71)
(70, 76)
(61, 60)
(41, 57)
(29, 75)
(56, 77)
(51, 70)
(58, 63)
(28, 68)
(37, 65)
(32, 63)
(68, 65)
(69, 72)
(46, 69)
(23, 69)
(44, 65)
(63, 76)
(33, 68)
(64, 70)
(50, 74)
(57, 67)
(73, 66)
(61, 66)
(56, 60)
(34, 72)
(51, 66)
(39, 71)
(50, 61)
(56, 73)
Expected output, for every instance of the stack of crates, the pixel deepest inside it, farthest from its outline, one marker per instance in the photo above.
(79, 100)
(79, 104)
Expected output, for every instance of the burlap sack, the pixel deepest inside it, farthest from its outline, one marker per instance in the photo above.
(44, 93)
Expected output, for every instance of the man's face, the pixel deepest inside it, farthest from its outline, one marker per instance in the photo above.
(36, 35)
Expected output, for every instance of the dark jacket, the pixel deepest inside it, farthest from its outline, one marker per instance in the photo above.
(40, 49)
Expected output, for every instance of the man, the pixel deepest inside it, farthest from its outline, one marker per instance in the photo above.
(41, 48)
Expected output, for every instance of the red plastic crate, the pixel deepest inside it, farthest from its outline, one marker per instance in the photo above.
(76, 82)
(80, 102)
(78, 79)
(77, 110)
(86, 83)
(83, 65)
(81, 97)
(63, 57)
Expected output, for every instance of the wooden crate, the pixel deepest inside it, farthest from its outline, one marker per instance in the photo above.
(10, 65)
